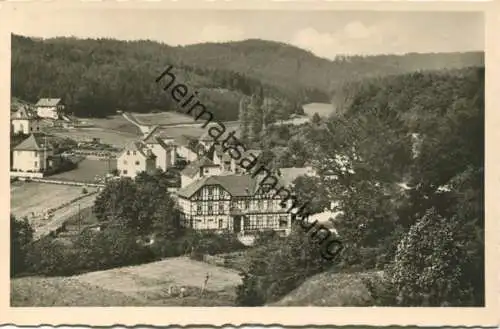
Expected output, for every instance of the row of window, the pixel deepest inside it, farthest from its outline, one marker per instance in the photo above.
(262, 221)
(209, 209)
(137, 163)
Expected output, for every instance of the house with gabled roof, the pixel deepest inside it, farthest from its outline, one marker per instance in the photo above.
(163, 147)
(33, 155)
(228, 164)
(135, 158)
(50, 108)
(197, 169)
(236, 203)
(25, 121)
(186, 147)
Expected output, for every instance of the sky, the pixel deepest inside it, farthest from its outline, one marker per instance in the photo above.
(325, 33)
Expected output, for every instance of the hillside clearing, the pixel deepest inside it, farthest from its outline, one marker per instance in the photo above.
(143, 285)
(323, 109)
(113, 122)
(332, 290)
(163, 118)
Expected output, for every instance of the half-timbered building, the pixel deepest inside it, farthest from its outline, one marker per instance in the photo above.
(236, 203)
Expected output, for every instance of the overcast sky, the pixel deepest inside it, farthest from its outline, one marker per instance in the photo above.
(325, 33)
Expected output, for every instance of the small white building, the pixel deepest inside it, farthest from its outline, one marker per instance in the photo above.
(25, 121)
(50, 108)
(134, 159)
(34, 154)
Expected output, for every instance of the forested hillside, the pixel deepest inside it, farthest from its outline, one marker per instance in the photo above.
(98, 77)
(410, 188)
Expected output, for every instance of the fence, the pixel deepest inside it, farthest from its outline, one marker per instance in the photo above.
(24, 174)
(61, 182)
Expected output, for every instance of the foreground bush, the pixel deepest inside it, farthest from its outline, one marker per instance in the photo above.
(92, 251)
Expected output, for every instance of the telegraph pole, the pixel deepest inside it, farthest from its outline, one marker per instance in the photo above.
(79, 218)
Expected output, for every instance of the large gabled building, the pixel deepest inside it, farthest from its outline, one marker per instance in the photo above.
(35, 154)
(50, 108)
(235, 203)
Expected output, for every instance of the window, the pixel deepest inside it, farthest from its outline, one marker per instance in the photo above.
(221, 224)
(125, 162)
(265, 204)
(260, 221)
(261, 204)
(221, 208)
(36, 164)
(283, 221)
(38, 128)
(198, 209)
(210, 192)
(124, 172)
(246, 222)
(31, 128)
(270, 221)
(210, 209)
(36, 153)
(247, 204)
(137, 162)
(128, 152)
(134, 153)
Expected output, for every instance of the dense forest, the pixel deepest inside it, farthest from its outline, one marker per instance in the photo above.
(410, 186)
(99, 77)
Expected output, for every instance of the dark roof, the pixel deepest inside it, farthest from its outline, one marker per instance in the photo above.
(34, 142)
(48, 102)
(24, 113)
(195, 166)
(236, 185)
(225, 155)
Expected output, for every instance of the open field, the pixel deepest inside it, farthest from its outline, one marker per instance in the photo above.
(323, 109)
(111, 137)
(163, 118)
(26, 198)
(114, 122)
(143, 285)
(86, 171)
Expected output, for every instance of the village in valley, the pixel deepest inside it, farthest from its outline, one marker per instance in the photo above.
(48, 153)
(121, 197)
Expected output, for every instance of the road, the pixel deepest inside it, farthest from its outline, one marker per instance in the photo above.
(62, 214)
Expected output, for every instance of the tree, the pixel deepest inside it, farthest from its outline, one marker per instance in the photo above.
(21, 235)
(428, 268)
(143, 206)
(316, 119)
(310, 191)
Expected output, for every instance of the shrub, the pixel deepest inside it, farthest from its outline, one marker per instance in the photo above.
(84, 191)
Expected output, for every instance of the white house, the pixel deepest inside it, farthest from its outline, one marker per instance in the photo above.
(50, 108)
(34, 154)
(25, 121)
(134, 159)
